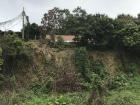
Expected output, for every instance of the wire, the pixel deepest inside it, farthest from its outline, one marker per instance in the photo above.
(13, 25)
(10, 23)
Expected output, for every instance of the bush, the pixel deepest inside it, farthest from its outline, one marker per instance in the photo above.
(132, 68)
(118, 81)
(16, 54)
(45, 87)
(82, 62)
(93, 71)
(99, 68)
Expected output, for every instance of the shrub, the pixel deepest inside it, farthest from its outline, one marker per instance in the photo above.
(45, 87)
(118, 81)
(132, 68)
(82, 62)
(16, 54)
(99, 68)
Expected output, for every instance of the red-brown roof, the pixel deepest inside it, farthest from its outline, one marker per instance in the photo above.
(66, 38)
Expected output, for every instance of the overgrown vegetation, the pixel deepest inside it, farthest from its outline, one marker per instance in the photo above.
(82, 63)
(61, 73)
(129, 95)
(16, 54)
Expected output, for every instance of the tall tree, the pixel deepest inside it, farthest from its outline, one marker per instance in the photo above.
(32, 31)
(54, 19)
(127, 31)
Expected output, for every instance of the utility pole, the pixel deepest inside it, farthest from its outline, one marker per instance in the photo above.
(23, 17)
(5, 32)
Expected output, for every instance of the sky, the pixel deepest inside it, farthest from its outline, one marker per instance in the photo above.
(36, 8)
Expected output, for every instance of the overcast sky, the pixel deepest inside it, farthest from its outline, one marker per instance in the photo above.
(36, 8)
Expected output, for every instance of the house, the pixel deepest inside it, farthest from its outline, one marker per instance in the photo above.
(66, 38)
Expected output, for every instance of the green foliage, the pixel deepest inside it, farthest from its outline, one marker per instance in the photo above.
(94, 72)
(29, 98)
(32, 31)
(98, 74)
(65, 99)
(94, 30)
(82, 62)
(99, 68)
(16, 54)
(130, 34)
(123, 98)
(12, 45)
(2, 79)
(118, 81)
(89, 30)
(54, 19)
(132, 68)
(10, 99)
(96, 81)
(129, 95)
(43, 88)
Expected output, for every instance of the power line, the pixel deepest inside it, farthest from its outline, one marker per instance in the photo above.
(10, 21)
(21, 18)
(18, 22)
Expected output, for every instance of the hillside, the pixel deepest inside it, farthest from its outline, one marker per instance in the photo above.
(61, 76)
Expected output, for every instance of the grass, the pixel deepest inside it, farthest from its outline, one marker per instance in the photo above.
(60, 99)
(29, 98)
(129, 95)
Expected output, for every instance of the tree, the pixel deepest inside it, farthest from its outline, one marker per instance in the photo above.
(130, 35)
(79, 12)
(127, 31)
(32, 31)
(101, 30)
(54, 19)
(76, 23)
(89, 30)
